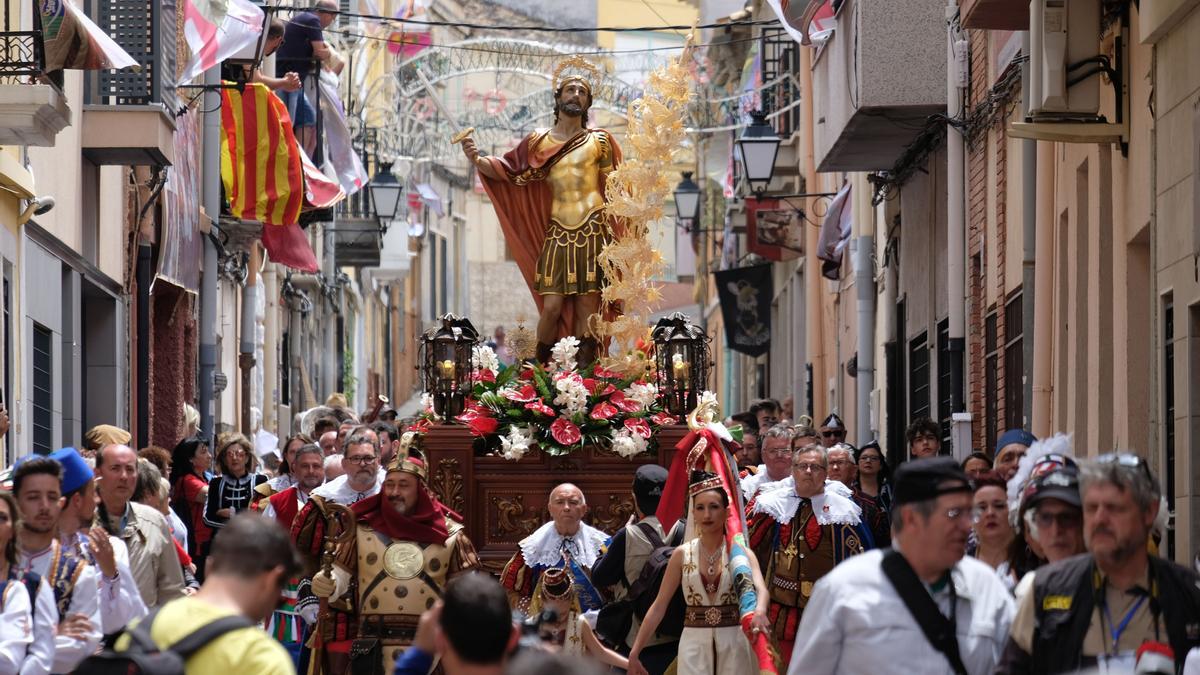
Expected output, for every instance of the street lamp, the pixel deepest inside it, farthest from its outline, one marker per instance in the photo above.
(687, 199)
(757, 148)
(446, 364)
(385, 193)
(682, 358)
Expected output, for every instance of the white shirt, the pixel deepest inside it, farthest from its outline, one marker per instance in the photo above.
(85, 599)
(856, 622)
(120, 601)
(339, 491)
(39, 657)
(301, 500)
(16, 626)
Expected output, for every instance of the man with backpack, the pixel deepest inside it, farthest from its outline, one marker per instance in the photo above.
(214, 630)
(627, 570)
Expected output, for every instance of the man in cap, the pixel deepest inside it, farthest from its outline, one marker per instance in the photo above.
(1108, 607)
(67, 607)
(621, 565)
(564, 542)
(799, 535)
(120, 601)
(404, 550)
(1011, 447)
(833, 431)
(922, 600)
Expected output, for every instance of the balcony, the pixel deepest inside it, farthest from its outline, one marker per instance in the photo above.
(876, 81)
(32, 110)
(129, 117)
(995, 14)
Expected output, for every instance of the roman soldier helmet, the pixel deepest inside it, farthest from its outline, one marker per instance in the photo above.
(408, 458)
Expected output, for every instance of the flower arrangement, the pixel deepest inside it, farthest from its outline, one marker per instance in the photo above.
(559, 408)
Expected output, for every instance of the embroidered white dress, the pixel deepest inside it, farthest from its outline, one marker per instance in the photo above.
(711, 651)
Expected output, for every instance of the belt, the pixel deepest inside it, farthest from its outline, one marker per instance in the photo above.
(711, 616)
(400, 628)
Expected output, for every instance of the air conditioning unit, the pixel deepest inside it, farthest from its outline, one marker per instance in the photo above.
(1064, 33)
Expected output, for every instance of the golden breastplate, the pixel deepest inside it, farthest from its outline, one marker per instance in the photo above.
(575, 182)
(397, 577)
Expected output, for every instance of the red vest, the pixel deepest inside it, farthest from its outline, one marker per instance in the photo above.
(285, 506)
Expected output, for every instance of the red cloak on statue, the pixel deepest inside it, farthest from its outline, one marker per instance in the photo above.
(523, 202)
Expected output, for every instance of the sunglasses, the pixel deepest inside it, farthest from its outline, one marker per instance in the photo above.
(833, 434)
(1127, 460)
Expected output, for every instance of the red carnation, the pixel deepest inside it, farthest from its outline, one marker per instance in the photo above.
(542, 408)
(482, 426)
(603, 411)
(638, 426)
(663, 419)
(564, 432)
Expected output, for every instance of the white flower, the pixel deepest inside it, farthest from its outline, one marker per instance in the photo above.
(427, 401)
(572, 395)
(709, 399)
(627, 444)
(484, 358)
(564, 352)
(644, 394)
(516, 443)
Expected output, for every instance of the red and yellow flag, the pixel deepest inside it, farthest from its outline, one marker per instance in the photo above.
(260, 160)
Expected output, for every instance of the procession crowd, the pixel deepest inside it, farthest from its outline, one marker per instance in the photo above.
(341, 559)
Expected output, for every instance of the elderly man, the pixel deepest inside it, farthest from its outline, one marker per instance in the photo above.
(1104, 608)
(404, 550)
(799, 535)
(564, 541)
(361, 480)
(144, 530)
(922, 602)
(776, 468)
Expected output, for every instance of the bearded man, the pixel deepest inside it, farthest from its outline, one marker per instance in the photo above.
(406, 546)
(549, 196)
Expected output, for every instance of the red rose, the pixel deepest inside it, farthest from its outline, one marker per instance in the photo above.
(564, 432)
(542, 408)
(482, 426)
(662, 419)
(603, 411)
(523, 395)
(638, 426)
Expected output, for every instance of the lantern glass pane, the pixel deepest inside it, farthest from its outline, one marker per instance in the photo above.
(758, 158)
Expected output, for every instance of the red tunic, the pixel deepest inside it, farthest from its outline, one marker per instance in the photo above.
(285, 506)
(192, 485)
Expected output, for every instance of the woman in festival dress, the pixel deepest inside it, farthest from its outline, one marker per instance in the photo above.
(233, 489)
(712, 642)
(573, 631)
(872, 487)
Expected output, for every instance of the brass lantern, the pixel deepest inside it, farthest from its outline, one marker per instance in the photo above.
(446, 364)
(682, 358)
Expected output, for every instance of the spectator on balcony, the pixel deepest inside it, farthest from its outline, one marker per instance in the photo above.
(290, 81)
(304, 41)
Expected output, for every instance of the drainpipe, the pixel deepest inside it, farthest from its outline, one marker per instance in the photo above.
(1043, 329)
(211, 193)
(955, 208)
(246, 339)
(813, 330)
(145, 277)
(295, 342)
(329, 371)
(886, 313)
(1028, 239)
(270, 389)
(864, 283)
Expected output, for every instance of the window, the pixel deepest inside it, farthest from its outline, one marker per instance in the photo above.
(43, 389)
(1014, 364)
(991, 404)
(918, 377)
(1169, 414)
(945, 380)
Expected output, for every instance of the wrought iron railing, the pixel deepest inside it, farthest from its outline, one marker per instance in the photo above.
(146, 30)
(781, 57)
(22, 57)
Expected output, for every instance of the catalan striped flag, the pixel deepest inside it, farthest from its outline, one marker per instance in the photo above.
(260, 159)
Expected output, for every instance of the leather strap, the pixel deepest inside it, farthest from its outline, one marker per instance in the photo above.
(939, 630)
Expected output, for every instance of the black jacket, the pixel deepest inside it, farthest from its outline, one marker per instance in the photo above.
(1072, 586)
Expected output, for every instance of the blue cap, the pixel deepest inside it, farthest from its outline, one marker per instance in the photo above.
(1014, 436)
(76, 472)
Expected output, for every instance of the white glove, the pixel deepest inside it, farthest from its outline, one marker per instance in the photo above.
(323, 585)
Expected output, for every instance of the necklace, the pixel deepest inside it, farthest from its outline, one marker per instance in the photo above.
(711, 559)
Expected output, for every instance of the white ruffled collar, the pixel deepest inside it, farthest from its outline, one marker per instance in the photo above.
(760, 482)
(339, 491)
(832, 507)
(544, 547)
